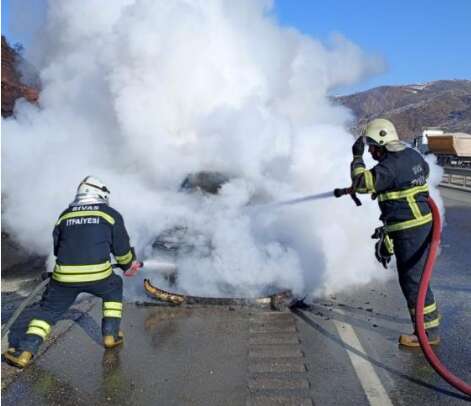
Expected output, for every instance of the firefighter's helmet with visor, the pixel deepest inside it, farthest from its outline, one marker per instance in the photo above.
(92, 187)
(382, 133)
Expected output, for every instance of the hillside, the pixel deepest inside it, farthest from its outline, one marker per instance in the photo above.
(444, 103)
(12, 86)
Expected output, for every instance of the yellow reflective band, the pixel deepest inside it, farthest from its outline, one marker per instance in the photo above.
(427, 309)
(85, 277)
(90, 213)
(75, 269)
(37, 331)
(39, 328)
(413, 206)
(433, 323)
(112, 313)
(124, 259)
(389, 244)
(358, 170)
(430, 309)
(41, 324)
(402, 194)
(369, 183)
(112, 305)
(403, 225)
(112, 309)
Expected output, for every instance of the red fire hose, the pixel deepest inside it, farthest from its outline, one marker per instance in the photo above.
(419, 323)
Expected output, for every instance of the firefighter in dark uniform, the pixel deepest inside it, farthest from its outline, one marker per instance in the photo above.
(399, 182)
(85, 235)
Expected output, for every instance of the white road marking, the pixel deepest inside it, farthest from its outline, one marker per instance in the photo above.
(369, 380)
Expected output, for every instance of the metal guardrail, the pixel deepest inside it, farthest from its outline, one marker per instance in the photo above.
(457, 178)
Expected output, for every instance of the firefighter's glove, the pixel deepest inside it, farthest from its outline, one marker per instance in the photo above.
(384, 248)
(379, 231)
(133, 269)
(358, 147)
(382, 255)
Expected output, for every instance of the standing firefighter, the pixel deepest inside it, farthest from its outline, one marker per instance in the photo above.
(399, 182)
(85, 235)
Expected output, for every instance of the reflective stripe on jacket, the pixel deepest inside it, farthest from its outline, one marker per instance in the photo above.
(84, 238)
(399, 182)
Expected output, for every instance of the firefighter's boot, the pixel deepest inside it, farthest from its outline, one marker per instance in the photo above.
(110, 341)
(18, 358)
(412, 341)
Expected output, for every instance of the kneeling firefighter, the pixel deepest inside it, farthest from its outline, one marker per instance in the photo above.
(85, 235)
(399, 182)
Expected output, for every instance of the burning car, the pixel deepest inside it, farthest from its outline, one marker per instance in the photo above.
(182, 241)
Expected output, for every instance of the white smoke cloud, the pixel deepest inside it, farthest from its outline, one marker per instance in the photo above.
(141, 93)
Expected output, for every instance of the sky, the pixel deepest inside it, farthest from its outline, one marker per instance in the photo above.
(420, 40)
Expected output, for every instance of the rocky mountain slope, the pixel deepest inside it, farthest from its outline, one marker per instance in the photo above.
(12, 86)
(444, 103)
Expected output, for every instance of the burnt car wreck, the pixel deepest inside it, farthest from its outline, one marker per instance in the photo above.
(181, 241)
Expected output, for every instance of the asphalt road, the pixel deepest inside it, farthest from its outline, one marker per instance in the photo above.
(340, 351)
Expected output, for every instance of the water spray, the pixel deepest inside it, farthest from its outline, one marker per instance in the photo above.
(165, 268)
(318, 196)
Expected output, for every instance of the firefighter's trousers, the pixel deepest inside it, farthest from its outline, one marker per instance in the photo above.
(58, 298)
(411, 249)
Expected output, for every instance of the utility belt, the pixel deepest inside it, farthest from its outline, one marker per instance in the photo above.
(418, 219)
(82, 273)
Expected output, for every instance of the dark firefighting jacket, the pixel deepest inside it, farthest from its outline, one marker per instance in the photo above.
(84, 238)
(399, 182)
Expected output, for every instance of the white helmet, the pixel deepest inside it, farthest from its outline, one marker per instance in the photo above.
(92, 188)
(381, 132)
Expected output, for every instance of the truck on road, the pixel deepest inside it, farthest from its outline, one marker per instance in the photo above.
(452, 149)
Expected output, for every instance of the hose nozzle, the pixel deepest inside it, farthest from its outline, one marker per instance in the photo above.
(339, 192)
(347, 191)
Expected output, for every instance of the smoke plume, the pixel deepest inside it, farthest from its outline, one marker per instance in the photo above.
(142, 93)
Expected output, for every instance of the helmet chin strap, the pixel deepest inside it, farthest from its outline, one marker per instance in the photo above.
(377, 153)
